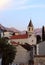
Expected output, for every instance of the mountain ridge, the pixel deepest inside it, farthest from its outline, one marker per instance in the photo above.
(37, 31)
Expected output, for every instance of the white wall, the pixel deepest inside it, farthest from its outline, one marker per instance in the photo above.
(32, 40)
(1, 34)
(37, 49)
(7, 34)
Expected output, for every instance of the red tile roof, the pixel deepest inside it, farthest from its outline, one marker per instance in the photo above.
(19, 36)
(14, 43)
(39, 56)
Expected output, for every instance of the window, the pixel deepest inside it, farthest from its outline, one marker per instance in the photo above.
(29, 35)
(29, 29)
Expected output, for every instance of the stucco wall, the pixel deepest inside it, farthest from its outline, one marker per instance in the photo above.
(7, 34)
(32, 40)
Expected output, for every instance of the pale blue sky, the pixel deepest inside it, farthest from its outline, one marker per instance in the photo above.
(17, 13)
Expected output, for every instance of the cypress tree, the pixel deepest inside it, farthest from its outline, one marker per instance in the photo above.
(43, 37)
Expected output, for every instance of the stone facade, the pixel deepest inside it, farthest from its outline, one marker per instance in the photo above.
(31, 40)
(22, 56)
(39, 60)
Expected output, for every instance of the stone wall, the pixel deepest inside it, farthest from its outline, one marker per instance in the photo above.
(39, 60)
(22, 56)
(31, 40)
(41, 48)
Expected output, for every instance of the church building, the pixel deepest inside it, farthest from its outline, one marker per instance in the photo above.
(28, 37)
(25, 44)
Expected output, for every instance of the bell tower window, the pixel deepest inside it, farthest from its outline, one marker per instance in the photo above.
(29, 29)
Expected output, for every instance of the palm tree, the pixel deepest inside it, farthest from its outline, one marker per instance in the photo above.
(7, 51)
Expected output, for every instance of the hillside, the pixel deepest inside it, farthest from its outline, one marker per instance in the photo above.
(37, 31)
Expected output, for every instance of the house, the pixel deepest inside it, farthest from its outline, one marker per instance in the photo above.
(2, 29)
(39, 58)
(28, 37)
(7, 32)
(41, 48)
(24, 54)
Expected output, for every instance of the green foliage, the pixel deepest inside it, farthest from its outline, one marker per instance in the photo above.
(11, 52)
(38, 38)
(8, 51)
(2, 44)
(43, 34)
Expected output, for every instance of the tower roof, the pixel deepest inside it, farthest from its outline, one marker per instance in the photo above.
(30, 24)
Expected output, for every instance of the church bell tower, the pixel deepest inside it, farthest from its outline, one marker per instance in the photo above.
(30, 28)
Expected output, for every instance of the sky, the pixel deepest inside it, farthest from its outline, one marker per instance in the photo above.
(17, 13)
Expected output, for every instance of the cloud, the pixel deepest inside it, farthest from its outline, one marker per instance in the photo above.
(29, 6)
(20, 2)
(8, 4)
(17, 5)
(4, 4)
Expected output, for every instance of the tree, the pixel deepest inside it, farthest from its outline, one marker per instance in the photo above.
(38, 38)
(7, 51)
(43, 34)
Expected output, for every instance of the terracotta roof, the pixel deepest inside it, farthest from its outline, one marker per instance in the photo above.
(19, 36)
(30, 23)
(14, 43)
(39, 55)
